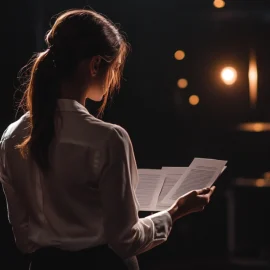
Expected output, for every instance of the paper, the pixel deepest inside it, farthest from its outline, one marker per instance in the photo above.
(173, 174)
(157, 190)
(149, 188)
(200, 174)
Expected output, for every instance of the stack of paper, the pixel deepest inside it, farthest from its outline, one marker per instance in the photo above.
(159, 189)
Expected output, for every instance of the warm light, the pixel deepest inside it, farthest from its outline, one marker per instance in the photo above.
(182, 83)
(266, 176)
(194, 100)
(260, 183)
(179, 55)
(253, 79)
(219, 3)
(229, 75)
(258, 127)
(255, 127)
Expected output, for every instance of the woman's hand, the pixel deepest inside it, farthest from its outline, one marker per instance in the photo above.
(194, 201)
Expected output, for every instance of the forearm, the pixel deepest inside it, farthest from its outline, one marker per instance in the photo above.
(146, 234)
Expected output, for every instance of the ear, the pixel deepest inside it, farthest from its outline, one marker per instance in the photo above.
(94, 65)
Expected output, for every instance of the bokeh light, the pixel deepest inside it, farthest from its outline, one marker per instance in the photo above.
(229, 75)
(219, 4)
(255, 127)
(253, 79)
(194, 100)
(258, 127)
(179, 55)
(182, 83)
(260, 182)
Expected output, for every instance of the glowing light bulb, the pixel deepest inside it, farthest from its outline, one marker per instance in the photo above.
(229, 75)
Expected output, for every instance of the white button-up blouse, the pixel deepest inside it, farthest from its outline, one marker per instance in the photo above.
(88, 198)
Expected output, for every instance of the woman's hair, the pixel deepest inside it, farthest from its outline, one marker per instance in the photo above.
(76, 35)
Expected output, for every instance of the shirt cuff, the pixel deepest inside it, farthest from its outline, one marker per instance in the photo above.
(162, 225)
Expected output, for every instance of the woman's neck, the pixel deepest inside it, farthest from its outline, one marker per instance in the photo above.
(70, 91)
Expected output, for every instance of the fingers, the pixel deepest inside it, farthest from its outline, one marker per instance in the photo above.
(203, 191)
(212, 189)
(206, 191)
(205, 197)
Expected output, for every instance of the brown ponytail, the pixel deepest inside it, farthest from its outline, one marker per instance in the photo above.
(41, 101)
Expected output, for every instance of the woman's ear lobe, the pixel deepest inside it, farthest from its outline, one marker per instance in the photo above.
(94, 65)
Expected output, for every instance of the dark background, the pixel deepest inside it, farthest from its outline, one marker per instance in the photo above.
(165, 129)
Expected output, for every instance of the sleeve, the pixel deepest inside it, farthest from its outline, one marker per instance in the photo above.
(126, 234)
(17, 214)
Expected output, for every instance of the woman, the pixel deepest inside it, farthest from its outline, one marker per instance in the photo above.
(69, 178)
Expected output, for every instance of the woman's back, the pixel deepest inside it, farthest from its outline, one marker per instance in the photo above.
(64, 207)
